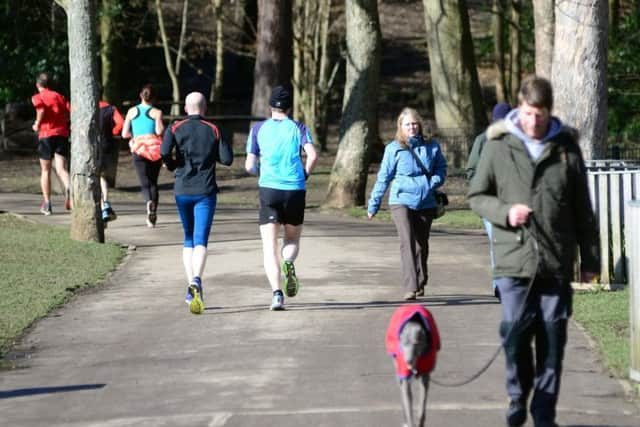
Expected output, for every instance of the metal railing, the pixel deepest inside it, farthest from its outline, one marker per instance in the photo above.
(619, 152)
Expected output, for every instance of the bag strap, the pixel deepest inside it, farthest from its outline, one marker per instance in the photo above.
(417, 159)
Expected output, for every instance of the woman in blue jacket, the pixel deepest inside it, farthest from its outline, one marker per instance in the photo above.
(412, 196)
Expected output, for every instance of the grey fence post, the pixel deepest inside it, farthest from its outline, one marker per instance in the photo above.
(633, 254)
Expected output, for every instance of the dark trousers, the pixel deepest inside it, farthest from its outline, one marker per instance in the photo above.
(542, 314)
(413, 227)
(148, 172)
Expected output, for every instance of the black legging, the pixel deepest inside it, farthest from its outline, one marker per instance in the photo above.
(148, 172)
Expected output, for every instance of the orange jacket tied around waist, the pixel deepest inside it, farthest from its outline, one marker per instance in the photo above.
(147, 146)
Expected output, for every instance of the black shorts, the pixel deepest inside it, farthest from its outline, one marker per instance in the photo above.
(106, 155)
(281, 206)
(48, 147)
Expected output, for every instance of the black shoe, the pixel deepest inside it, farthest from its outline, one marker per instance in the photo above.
(152, 217)
(537, 422)
(496, 293)
(516, 414)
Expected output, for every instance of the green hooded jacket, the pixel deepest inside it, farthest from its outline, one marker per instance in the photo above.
(474, 155)
(554, 186)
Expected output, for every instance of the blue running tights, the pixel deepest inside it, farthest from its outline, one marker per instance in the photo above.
(196, 214)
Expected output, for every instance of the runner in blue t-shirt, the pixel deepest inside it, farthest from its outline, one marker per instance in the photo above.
(277, 143)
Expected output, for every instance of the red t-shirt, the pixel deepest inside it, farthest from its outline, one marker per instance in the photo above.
(55, 120)
(118, 120)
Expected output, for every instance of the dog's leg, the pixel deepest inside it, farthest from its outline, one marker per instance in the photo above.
(407, 402)
(424, 391)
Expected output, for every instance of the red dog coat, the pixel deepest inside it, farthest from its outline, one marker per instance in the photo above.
(401, 316)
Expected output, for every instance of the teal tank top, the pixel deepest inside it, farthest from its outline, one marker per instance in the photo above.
(143, 124)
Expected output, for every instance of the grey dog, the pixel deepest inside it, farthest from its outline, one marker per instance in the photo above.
(413, 341)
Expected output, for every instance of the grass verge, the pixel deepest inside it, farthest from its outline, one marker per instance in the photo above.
(605, 317)
(41, 269)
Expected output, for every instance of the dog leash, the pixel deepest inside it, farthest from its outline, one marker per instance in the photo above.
(517, 324)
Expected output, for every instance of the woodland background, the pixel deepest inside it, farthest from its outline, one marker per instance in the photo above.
(352, 64)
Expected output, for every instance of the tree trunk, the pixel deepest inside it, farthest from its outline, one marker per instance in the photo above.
(614, 17)
(273, 53)
(312, 78)
(359, 125)
(456, 91)
(304, 69)
(109, 52)
(175, 86)
(579, 72)
(543, 15)
(215, 95)
(515, 51)
(327, 75)
(86, 223)
(499, 37)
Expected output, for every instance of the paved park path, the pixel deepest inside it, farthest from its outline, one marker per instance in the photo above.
(131, 354)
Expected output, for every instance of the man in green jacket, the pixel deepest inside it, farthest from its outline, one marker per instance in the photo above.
(531, 184)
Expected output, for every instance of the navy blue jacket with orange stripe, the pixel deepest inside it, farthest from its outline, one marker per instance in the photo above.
(198, 146)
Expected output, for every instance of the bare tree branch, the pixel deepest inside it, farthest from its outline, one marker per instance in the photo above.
(167, 59)
(63, 4)
(183, 31)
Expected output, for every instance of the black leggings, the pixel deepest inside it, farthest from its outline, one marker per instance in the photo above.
(148, 172)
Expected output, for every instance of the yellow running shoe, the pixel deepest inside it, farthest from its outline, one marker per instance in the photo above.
(196, 306)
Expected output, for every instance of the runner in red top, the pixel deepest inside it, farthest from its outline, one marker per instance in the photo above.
(52, 125)
(110, 123)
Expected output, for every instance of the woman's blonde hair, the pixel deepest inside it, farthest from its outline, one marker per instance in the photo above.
(426, 133)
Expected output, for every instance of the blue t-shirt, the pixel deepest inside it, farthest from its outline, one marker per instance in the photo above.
(278, 144)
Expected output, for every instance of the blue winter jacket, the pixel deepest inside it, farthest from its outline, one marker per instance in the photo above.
(410, 186)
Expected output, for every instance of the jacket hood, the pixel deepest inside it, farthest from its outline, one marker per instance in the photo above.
(413, 142)
(510, 125)
(400, 317)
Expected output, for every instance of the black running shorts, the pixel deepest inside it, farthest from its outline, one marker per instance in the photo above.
(106, 155)
(47, 147)
(281, 206)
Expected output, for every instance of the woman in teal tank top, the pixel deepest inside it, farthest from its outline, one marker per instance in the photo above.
(143, 124)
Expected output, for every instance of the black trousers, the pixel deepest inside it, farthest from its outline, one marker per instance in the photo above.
(543, 314)
(148, 172)
(413, 227)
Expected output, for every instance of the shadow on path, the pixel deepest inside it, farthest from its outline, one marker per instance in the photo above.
(48, 390)
(440, 300)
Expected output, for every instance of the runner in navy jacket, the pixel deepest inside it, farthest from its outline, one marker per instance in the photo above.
(198, 145)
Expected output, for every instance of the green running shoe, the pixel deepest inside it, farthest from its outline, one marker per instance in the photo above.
(291, 283)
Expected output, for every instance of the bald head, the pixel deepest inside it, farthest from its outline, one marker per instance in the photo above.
(194, 103)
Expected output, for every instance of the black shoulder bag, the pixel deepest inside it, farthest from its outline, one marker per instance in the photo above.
(441, 197)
